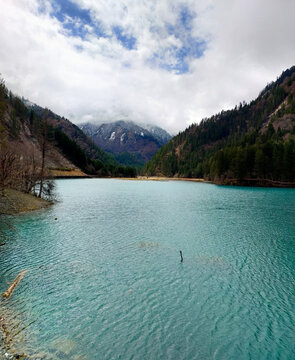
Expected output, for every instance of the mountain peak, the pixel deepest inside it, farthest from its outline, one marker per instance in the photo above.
(127, 137)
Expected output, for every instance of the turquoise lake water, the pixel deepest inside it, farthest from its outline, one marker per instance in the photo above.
(105, 280)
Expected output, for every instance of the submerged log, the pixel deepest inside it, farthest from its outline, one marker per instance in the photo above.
(14, 284)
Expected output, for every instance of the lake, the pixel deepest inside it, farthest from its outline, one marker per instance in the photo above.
(105, 281)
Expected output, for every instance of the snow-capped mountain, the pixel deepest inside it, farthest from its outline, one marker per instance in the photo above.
(127, 137)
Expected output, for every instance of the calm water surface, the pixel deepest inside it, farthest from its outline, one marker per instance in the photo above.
(105, 281)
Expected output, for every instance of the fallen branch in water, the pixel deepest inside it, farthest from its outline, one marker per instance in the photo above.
(181, 257)
(14, 284)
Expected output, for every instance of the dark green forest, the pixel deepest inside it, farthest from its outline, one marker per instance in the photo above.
(251, 144)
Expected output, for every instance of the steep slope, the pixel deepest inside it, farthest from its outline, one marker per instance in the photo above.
(127, 140)
(28, 130)
(21, 132)
(73, 132)
(251, 144)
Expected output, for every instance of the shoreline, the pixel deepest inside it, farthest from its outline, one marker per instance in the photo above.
(7, 350)
(164, 178)
(267, 183)
(15, 202)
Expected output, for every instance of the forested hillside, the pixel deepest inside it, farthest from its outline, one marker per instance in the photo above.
(36, 141)
(72, 131)
(252, 144)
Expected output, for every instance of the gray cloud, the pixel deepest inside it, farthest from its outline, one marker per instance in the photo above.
(248, 43)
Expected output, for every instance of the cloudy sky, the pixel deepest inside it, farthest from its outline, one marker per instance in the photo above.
(167, 62)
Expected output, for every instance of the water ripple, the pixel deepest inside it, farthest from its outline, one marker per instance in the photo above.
(105, 280)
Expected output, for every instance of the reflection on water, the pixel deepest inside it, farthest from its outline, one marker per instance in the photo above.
(105, 280)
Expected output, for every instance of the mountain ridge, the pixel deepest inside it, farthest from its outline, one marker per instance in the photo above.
(249, 144)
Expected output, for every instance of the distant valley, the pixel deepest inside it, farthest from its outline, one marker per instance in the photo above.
(252, 144)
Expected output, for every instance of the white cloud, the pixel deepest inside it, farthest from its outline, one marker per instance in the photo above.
(248, 44)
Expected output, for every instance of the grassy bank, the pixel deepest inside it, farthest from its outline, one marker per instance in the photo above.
(67, 173)
(163, 178)
(15, 202)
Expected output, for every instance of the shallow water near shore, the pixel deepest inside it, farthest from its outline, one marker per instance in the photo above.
(105, 280)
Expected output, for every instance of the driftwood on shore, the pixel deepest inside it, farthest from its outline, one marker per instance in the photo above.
(14, 284)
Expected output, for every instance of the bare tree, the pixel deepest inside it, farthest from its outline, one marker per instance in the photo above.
(28, 174)
(20, 169)
(7, 168)
(43, 153)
